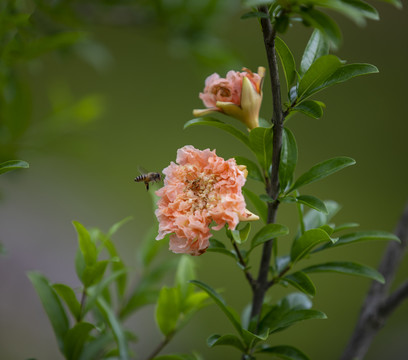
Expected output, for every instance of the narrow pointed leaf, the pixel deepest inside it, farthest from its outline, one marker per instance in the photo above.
(302, 282)
(231, 315)
(322, 170)
(260, 142)
(344, 73)
(208, 121)
(284, 352)
(345, 226)
(288, 161)
(88, 248)
(244, 232)
(364, 8)
(314, 219)
(287, 60)
(219, 247)
(229, 339)
(317, 46)
(185, 272)
(52, 306)
(304, 244)
(268, 232)
(321, 70)
(253, 170)
(69, 296)
(348, 268)
(311, 108)
(168, 310)
(92, 274)
(13, 165)
(324, 23)
(260, 206)
(313, 202)
(115, 227)
(75, 339)
(116, 328)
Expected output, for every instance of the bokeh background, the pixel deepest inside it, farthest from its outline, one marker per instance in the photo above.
(120, 100)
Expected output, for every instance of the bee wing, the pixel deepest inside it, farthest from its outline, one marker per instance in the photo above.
(142, 170)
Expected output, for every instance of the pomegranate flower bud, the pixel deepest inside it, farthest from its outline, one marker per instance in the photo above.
(238, 95)
(202, 188)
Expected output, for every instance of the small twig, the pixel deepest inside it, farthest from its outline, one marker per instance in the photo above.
(161, 345)
(378, 305)
(81, 309)
(272, 186)
(241, 259)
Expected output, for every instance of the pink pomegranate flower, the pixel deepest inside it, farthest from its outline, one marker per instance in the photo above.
(200, 189)
(238, 95)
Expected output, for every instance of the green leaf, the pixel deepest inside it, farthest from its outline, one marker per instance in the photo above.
(68, 295)
(75, 339)
(52, 306)
(185, 273)
(115, 227)
(311, 108)
(244, 232)
(284, 352)
(150, 246)
(13, 165)
(302, 245)
(255, 3)
(268, 232)
(177, 357)
(344, 73)
(116, 328)
(229, 312)
(396, 3)
(219, 247)
(93, 273)
(253, 170)
(361, 236)
(260, 206)
(314, 219)
(95, 292)
(230, 340)
(302, 282)
(324, 23)
(168, 310)
(209, 121)
(260, 142)
(79, 264)
(316, 75)
(313, 202)
(322, 170)
(363, 8)
(88, 248)
(317, 46)
(280, 318)
(254, 14)
(94, 348)
(288, 161)
(346, 267)
(287, 60)
(345, 226)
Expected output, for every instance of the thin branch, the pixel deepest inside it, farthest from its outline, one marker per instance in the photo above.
(272, 186)
(241, 259)
(161, 345)
(377, 306)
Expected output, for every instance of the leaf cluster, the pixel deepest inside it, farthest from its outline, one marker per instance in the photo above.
(88, 321)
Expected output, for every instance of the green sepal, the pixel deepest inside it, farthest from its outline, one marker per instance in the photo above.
(209, 121)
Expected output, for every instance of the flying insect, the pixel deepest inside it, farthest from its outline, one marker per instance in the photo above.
(148, 177)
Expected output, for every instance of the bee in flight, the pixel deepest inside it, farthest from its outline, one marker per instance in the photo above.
(148, 177)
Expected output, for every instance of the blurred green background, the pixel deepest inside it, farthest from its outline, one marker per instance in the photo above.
(92, 125)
